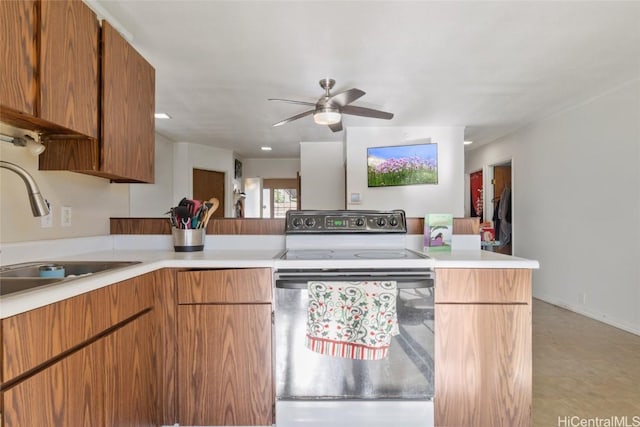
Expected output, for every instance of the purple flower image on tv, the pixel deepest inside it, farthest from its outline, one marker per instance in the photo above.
(402, 165)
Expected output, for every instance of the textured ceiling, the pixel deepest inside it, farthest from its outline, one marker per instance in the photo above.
(492, 67)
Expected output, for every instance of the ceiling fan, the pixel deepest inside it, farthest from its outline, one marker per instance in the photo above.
(329, 108)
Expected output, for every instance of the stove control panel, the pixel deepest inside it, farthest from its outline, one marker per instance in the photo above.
(330, 221)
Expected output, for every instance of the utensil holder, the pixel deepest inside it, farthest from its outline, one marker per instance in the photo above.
(188, 240)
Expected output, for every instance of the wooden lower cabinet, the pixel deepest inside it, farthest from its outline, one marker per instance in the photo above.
(107, 383)
(225, 374)
(224, 359)
(483, 365)
(483, 348)
(68, 393)
(84, 361)
(130, 378)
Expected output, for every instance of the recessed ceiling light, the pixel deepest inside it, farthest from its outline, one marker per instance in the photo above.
(265, 148)
(468, 142)
(162, 116)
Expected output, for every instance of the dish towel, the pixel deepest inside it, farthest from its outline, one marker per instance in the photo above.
(354, 320)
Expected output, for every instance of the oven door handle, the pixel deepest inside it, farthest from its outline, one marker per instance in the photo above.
(403, 282)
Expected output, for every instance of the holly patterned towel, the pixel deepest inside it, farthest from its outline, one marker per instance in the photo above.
(355, 320)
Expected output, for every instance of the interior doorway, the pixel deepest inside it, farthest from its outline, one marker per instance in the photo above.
(476, 195)
(502, 207)
(279, 196)
(208, 184)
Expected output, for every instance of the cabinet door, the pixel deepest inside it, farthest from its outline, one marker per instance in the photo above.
(129, 378)
(18, 56)
(128, 103)
(34, 337)
(483, 365)
(69, 86)
(224, 360)
(68, 393)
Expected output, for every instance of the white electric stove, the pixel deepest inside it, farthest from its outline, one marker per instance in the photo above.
(315, 390)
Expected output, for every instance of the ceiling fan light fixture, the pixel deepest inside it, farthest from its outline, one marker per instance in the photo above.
(327, 116)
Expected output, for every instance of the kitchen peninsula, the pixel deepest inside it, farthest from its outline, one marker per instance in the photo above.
(483, 333)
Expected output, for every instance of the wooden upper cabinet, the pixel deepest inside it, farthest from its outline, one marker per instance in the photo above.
(49, 79)
(128, 104)
(69, 80)
(17, 57)
(125, 150)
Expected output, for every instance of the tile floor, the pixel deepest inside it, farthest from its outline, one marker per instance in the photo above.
(582, 368)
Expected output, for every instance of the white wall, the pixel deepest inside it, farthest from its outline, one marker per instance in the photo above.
(187, 156)
(252, 202)
(416, 200)
(93, 201)
(153, 200)
(322, 175)
(270, 168)
(576, 204)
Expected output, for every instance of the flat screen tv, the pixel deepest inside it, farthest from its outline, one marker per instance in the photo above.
(402, 165)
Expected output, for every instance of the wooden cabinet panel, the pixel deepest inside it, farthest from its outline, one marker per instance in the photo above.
(483, 365)
(483, 286)
(69, 86)
(71, 154)
(165, 342)
(129, 375)
(32, 338)
(18, 57)
(128, 103)
(224, 354)
(251, 285)
(91, 365)
(68, 393)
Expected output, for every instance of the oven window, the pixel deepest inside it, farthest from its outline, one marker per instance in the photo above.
(407, 372)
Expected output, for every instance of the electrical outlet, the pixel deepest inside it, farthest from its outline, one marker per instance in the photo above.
(47, 220)
(65, 216)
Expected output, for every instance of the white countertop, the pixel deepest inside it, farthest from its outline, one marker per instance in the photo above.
(236, 257)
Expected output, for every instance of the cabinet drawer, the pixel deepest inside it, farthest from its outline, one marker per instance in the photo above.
(483, 286)
(251, 285)
(32, 338)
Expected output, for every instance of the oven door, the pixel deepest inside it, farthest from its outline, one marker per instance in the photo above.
(407, 372)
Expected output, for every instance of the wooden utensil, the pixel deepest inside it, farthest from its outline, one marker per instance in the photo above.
(215, 203)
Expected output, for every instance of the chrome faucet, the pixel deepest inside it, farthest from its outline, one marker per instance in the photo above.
(39, 206)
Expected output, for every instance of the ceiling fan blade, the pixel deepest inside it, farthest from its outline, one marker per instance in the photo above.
(296, 117)
(291, 101)
(366, 112)
(336, 127)
(347, 97)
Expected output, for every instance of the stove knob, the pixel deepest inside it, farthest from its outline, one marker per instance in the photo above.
(381, 222)
(359, 222)
(393, 221)
(297, 222)
(310, 222)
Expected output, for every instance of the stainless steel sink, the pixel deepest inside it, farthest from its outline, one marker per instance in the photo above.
(18, 277)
